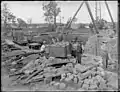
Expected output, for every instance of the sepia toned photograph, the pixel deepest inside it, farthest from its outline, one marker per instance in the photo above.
(59, 46)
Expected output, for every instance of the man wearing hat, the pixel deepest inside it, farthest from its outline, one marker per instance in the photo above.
(79, 51)
(73, 48)
(42, 49)
(60, 36)
(104, 54)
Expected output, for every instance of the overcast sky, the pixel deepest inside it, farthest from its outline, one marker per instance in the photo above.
(33, 9)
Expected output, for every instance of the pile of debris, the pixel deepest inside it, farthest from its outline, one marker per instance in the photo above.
(86, 77)
(32, 67)
(60, 73)
(96, 42)
(28, 67)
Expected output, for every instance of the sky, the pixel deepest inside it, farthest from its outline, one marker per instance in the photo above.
(33, 9)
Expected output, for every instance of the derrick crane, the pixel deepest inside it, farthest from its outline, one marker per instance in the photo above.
(110, 14)
(89, 10)
(90, 13)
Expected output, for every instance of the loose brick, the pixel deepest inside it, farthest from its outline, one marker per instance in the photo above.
(86, 81)
(75, 80)
(56, 84)
(62, 86)
(13, 63)
(80, 68)
(99, 78)
(71, 76)
(80, 83)
(94, 69)
(74, 71)
(93, 86)
(95, 81)
(68, 74)
(12, 70)
(69, 65)
(91, 81)
(63, 75)
(68, 79)
(52, 83)
(85, 86)
(100, 69)
(79, 76)
(47, 80)
(102, 86)
(113, 83)
(86, 74)
(90, 77)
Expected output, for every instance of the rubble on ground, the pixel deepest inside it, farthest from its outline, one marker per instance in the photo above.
(61, 74)
(93, 47)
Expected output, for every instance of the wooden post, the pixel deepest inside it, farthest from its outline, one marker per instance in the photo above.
(109, 13)
(89, 10)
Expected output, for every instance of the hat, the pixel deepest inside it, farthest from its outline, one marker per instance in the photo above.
(44, 41)
(105, 41)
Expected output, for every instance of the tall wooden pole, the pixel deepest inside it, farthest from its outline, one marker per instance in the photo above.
(89, 10)
(75, 14)
(110, 13)
(100, 9)
(96, 10)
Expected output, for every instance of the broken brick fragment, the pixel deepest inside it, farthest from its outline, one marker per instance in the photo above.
(62, 86)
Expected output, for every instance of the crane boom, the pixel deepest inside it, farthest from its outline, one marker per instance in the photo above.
(109, 13)
(89, 10)
(75, 14)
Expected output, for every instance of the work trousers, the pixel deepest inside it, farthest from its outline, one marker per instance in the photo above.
(78, 57)
(105, 60)
(73, 52)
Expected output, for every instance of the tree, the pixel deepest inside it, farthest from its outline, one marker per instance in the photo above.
(51, 12)
(6, 16)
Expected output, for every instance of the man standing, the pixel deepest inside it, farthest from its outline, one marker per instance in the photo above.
(104, 54)
(60, 37)
(79, 52)
(54, 40)
(82, 47)
(42, 49)
(74, 48)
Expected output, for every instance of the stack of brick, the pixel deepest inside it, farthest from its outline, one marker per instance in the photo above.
(89, 76)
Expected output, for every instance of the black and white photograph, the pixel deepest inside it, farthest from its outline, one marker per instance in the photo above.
(59, 45)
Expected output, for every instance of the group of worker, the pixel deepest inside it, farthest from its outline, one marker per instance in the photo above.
(77, 49)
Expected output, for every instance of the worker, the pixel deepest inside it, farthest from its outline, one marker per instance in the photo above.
(82, 47)
(91, 29)
(12, 34)
(42, 49)
(54, 40)
(60, 36)
(79, 52)
(70, 47)
(76, 39)
(74, 47)
(104, 54)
